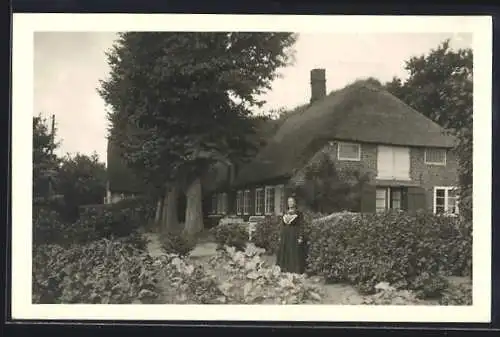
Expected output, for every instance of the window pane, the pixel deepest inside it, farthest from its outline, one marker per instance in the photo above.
(435, 156)
(381, 193)
(350, 151)
(440, 193)
(440, 202)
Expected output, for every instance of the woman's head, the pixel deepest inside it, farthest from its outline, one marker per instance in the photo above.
(292, 203)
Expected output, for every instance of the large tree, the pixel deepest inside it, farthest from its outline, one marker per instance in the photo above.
(440, 87)
(181, 101)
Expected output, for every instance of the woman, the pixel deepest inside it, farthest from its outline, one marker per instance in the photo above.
(291, 250)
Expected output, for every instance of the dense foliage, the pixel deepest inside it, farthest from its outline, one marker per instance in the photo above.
(177, 243)
(411, 252)
(81, 181)
(440, 86)
(231, 234)
(266, 234)
(102, 271)
(95, 222)
(325, 189)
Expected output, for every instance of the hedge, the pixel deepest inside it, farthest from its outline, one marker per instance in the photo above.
(231, 234)
(95, 222)
(413, 252)
(409, 251)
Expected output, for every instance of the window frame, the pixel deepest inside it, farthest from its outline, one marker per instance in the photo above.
(224, 203)
(435, 163)
(446, 189)
(256, 203)
(214, 204)
(282, 201)
(339, 157)
(272, 203)
(246, 202)
(239, 202)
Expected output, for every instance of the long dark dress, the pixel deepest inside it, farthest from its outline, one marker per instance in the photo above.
(291, 253)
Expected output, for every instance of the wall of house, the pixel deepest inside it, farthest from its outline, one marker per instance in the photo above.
(430, 176)
(421, 174)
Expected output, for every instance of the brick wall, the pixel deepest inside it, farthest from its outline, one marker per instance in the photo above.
(421, 174)
(433, 175)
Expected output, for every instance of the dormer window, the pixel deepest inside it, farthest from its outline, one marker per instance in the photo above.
(435, 156)
(348, 151)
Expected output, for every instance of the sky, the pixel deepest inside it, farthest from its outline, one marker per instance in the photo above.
(69, 65)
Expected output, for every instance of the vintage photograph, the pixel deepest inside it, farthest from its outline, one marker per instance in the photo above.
(235, 174)
(239, 167)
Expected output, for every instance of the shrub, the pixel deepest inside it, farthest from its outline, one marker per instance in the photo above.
(324, 188)
(144, 208)
(266, 234)
(177, 243)
(408, 251)
(457, 295)
(231, 234)
(47, 226)
(102, 271)
(185, 283)
(119, 219)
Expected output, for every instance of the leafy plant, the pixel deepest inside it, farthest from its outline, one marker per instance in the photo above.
(231, 234)
(457, 295)
(250, 280)
(177, 243)
(102, 271)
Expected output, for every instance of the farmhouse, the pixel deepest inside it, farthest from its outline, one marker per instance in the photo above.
(407, 156)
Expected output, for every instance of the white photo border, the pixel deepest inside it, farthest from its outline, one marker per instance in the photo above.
(24, 25)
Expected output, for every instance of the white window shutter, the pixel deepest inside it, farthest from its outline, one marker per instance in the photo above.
(402, 163)
(385, 160)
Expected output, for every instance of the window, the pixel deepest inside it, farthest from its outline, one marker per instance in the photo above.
(445, 200)
(393, 163)
(214, 204)
(259, 201)
(246, 202)
(435, 156)
(388, 198)
(279, 199)
(222, 203)
(349, 151)
(239, 202)
(269, 200)
(381, 202)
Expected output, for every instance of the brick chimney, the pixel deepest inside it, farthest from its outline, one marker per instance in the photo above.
(318, 84)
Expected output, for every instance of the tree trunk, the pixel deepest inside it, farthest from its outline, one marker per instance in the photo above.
(169, 218)
(159, 211)
(194, 210)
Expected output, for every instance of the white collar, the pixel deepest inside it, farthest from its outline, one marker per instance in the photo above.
(288, 218)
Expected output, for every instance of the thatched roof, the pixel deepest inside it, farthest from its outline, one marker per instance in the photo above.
(360, 112)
